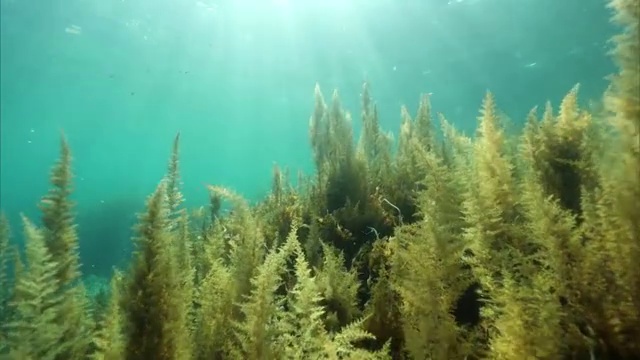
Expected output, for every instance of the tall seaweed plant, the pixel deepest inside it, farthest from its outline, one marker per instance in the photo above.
(490, 246)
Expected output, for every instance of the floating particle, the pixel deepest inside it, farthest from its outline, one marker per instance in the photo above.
(73, 30)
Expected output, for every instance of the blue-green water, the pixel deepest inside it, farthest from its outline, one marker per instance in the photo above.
(236, 78)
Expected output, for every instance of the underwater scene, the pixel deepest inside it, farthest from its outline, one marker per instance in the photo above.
(280, 179)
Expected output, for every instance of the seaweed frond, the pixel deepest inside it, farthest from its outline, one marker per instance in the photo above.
(245, 243)
(35, 331)
(494, 169)
(318, 129)
(423, 127)
(556, 154)
(155, 316)
(58, 219)
(216, 313)
(344, 199)
(61, 238)
(341, 346)
(555, 232)
(304, 335)
(611, 227)
(374, 146)
(260, 328)
(174, 196)
(623, 99)
(490, 202)
(528, 325)
(5, 280)
(339, 288)
(278, 211)
(109, 340)
(427, 269)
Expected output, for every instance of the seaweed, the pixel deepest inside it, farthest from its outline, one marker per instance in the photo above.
(155, 325)
(494, 246)
(35, 330)
(5, 279)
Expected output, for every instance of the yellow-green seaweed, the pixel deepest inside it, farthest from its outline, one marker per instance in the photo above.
(487, 247)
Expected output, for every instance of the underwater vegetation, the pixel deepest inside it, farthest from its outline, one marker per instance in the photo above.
(431, 247)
